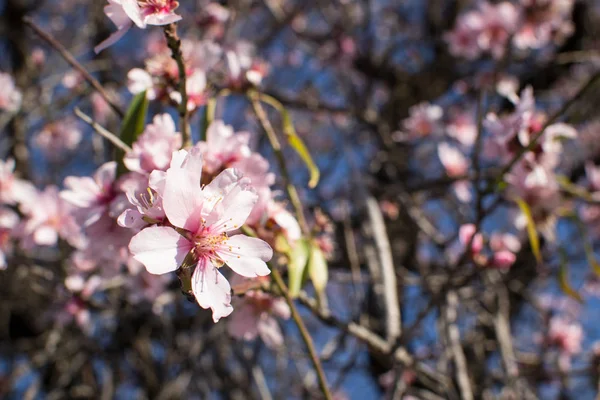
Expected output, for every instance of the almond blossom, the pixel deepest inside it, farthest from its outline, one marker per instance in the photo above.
(485, 30)
(456, 165)
(256, 315)
(10, 96)
(58, 137)
(49, 217)
(13, 189)
(92, 195)
(424, 120)
(202, 219)
(125, 13)
(154, 147)
(566, 336)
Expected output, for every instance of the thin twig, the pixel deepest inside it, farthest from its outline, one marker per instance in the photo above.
(114, 139)
(75, 64)
(276, 145)
(388, 274)
(174, 43)
(460, 361)
(304, 333)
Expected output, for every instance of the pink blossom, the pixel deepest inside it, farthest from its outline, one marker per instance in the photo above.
(92, 195)
(10, 96)
(48, 218)
(8, 222)
(454, 162)
(139, 80)
(544, 21)
(486, 29)
(58, 137)
(154, 147)
(12, 189)
(566, 336)
(456, 165)
(462, 128)
(424, 120)
(505, 246)
(465, 234)
(242, 68)
(256, 315)
(125, 13)
(223, 147)
(203, 218)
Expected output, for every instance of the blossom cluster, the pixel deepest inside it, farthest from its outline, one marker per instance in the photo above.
(229, 66)
(492, 28)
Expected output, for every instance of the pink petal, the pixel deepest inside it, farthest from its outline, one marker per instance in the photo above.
(182, 199)
(269, 332)
(112, 39)
(243, 323)
(233, 202)
(161, 249)
(246, 255)
(212, 290)
(45, 236)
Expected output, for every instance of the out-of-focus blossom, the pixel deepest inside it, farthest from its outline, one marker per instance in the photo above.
(256, 315)
(544, 22)
(10, 95)
(160, 78)
(48, 218)
(203, 217)
(8, 222)
(485, 30)
(154, 147)
(566, 336)
(505, 247)
(462, 128)
(58, 137)
(72, 79)
(456, 165)
(38, 57)
(12, 189)
(223, 147)
(243, 70)
(424, 120)
(125, 13)
(465, 235)
(93, 195)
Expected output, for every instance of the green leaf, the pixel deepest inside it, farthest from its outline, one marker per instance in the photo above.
(531, 229)
(133, 124)
(298, 256)
(317, 268)
(294, 140)
(588, 248)
(563, 280)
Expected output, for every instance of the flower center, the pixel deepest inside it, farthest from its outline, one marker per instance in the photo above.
(207, 243)
(158, 6)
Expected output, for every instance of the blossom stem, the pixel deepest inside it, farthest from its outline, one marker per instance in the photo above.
(303, 332)
(276, 145)
(75, 64)
(174, 43)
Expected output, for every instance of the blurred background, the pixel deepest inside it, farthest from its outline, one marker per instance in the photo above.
(401, 104)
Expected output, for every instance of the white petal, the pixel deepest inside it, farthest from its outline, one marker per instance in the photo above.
(161, 249)
(212, 290)
(246, 255)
